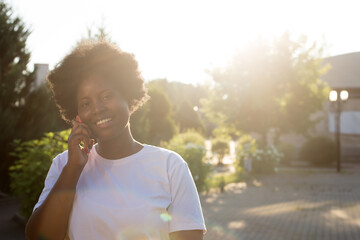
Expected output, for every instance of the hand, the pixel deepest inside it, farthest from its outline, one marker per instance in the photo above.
(80, 133)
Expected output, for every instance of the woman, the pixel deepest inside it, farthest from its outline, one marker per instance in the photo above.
(117, 188)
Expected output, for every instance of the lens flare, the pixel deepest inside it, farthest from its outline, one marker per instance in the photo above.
(165, 217)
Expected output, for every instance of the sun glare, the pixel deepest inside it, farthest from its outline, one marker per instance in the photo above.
(177, 40)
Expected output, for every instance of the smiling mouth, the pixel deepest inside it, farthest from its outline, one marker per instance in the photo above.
(103, 122)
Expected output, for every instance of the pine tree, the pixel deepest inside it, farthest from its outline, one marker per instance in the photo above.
(15, 82)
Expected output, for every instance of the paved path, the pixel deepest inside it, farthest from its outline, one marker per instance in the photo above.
(9, 229)
(307, 205)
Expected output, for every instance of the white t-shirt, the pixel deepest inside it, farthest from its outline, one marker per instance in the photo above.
(143, 196)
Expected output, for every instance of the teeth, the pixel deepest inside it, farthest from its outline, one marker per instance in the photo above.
(103, 121)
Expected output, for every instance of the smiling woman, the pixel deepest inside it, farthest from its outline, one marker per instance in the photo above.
(102, 108)
(117, 188)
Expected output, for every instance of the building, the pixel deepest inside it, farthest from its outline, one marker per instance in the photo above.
(343, 75)
(41, 70)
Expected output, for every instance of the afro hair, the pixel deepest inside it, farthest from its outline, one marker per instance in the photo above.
(101, 58)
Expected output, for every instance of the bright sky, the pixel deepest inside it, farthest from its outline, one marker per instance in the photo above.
(180, 40)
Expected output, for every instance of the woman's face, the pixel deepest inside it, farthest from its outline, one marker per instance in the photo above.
(102, 108)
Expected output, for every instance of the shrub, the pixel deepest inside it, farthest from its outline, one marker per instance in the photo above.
(190, 145)
(220, 147)
(29, 171)
(262, 160)
(319, 151)
(190, 136)
(288, 150)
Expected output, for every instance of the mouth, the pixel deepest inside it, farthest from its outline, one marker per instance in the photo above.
(103, 122)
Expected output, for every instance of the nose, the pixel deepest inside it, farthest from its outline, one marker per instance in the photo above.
(98, 107)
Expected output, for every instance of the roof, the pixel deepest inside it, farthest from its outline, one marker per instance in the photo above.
(344, 72)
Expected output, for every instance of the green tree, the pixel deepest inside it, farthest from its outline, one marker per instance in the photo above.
(226, 132)
(41, 114)
(184, 97)
(270, 85)
(139, 124)
(15, 83)
(161, 125)
(220, 147)
(29, 171)
(179, 92)
(153, 122)
(188, 118)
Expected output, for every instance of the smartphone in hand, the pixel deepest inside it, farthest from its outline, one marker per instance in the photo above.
(92, 141)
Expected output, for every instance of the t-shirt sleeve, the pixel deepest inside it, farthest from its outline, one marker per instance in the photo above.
(51, 178)
(185, 208)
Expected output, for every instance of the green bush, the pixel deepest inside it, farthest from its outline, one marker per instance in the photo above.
(288, 150)
(29, 171)
(190, 136)
(191, 146)
(220, 147)
(262, 160)
(319, 151)
(219, 181)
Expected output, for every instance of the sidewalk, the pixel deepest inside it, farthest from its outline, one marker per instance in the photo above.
(291, 205)
(9, 229)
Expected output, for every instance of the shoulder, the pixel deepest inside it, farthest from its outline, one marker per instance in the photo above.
(171, 157)
(60, 160)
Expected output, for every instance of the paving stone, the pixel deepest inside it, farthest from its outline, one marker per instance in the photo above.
(307, 205)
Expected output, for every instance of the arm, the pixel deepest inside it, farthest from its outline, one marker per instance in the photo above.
(185, 209)
(186, 235)
(50, 220)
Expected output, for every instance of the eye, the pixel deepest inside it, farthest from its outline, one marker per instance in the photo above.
(84, 104)
(107, 96)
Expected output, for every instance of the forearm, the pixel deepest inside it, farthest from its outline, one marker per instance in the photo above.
(188, 234)
(50, 220)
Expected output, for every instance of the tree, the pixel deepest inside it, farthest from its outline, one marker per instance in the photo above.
(15, 83)
(100, 34)
(153, 123)
(270, 85)
(41, 114)
(220, 147)
(184, 97)
(188, 118)
(179, 92)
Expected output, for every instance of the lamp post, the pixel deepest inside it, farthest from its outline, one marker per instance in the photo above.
(333, 97)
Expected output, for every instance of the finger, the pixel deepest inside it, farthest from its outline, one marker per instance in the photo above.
(75, 124)
(85, 150)
(77, 120)
(78, 138)
(86, 127)
(81, 124)
(82, 129)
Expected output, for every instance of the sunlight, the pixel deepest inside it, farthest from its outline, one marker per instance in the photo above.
(344, 215)
(284, 208)
(175, 40)
(339, 213)
(236, 225)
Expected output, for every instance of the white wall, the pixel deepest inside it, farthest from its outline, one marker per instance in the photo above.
(349, 122)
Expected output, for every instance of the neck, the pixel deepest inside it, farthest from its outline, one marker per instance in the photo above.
(122, 146)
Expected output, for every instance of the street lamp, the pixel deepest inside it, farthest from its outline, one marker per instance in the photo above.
(333, 97)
